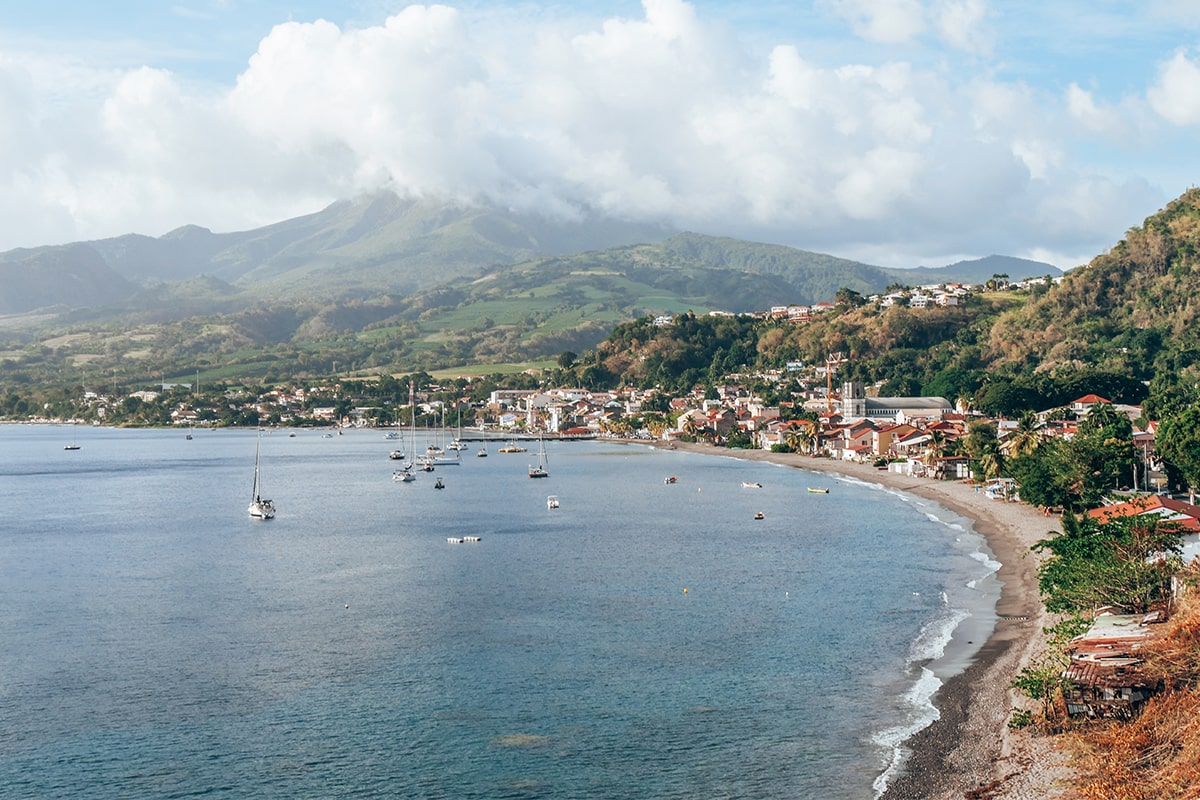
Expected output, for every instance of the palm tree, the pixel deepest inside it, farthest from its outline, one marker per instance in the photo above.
(1026, 439)
(990, 465)
(799, 439)
(689, 426)
(934, 449)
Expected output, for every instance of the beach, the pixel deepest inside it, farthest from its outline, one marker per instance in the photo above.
(969, 751)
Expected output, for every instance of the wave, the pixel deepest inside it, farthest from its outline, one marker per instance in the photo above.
(917, 702)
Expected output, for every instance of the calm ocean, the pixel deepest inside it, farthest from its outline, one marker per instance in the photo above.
(644, 640)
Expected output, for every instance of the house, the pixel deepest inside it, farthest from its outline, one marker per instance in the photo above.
(886, 436)
(1105, 676)
(1084, 404)
(798, 313)
(1185, 515)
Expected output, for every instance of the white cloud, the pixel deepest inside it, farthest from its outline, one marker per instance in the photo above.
(1082, 107)
(892, 22)
(666, 116)
(1176, 94)
(960, 24)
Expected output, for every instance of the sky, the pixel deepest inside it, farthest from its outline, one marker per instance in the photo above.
(894, 132)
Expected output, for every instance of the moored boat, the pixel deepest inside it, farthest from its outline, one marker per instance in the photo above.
(260, 507)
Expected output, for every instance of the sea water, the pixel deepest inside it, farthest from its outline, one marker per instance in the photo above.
(643, 640)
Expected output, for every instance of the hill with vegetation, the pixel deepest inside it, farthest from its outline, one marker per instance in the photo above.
(1133, 309)
(389, 285)
(1120, 326)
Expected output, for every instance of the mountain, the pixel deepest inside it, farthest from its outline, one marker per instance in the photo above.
(71, 276)
(814, 277)
(377, 244)
(385, 244)
(978, 271)
(391, 282)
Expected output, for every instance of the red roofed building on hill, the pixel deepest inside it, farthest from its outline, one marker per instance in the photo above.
(1185, 514)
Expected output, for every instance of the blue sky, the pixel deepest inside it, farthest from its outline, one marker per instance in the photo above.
(901, 133)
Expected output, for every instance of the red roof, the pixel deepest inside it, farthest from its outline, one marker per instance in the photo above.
(1090, 399)
(1185, 514)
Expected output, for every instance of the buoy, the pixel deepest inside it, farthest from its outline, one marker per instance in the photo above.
(685, 591)
(347, 605)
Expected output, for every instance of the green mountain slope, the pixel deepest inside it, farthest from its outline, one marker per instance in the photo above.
(1134, 309)
(72, 276)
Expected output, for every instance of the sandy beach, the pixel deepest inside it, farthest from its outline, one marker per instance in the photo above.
(969, 751)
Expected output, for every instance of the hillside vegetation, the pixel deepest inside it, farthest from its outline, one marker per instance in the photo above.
(1134, 309)
(339, 290)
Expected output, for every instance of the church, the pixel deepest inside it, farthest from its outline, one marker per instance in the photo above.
(856, 405)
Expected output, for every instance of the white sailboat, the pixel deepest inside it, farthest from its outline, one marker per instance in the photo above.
(260, 507)
(539, 470)
(406, 475)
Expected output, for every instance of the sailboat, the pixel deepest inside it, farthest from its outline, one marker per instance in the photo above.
(457, 443)
(405, 475)
(540, 471)
(260, 507)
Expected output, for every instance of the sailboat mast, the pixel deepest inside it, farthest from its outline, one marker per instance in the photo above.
(257, 448)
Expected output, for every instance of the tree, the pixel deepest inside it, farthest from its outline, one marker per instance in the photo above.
(1026, 439)
(567, 359)
(1126, 562)
(1103, 448)
(848, 297)
(1043, 678)
(983, 448)
(1178, 443)
(1049, 476)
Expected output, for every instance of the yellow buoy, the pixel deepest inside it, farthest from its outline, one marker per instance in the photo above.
(685, 591)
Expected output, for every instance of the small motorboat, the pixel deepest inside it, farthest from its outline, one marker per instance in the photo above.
(671, 479)
(551, 502)
(751, 485)
(759, 515)
(396, 455)
(815, 490)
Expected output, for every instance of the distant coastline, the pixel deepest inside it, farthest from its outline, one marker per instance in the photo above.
(970, 745)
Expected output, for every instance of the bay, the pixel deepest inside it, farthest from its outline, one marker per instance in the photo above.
(643, 640)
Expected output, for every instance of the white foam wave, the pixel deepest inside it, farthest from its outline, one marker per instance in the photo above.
(920, 711)
(992, 564)
(923, 713)
(932, 640)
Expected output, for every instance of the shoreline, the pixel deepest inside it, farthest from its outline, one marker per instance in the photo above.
(969, 747)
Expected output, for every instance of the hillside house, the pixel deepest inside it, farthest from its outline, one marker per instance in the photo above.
(1083, 405)
(1105, 674)
(1185, 515)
